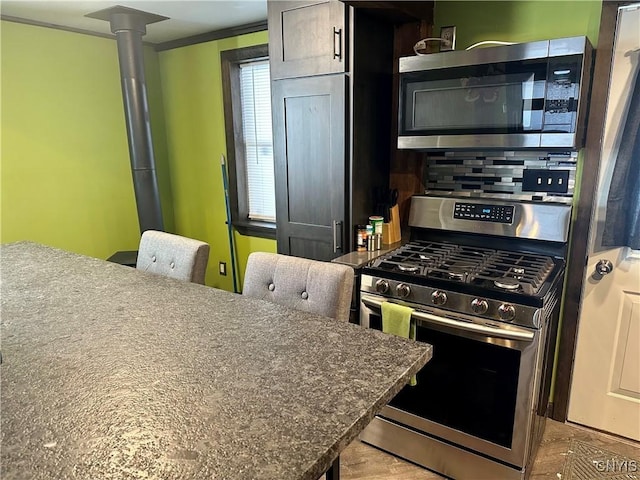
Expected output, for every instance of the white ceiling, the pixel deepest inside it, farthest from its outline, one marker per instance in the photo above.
(186, 17)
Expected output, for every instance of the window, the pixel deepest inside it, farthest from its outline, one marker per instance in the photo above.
(247, 110)
(257, 141)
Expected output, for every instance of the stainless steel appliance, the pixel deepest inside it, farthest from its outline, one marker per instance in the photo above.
(527, 95)
(484, 278)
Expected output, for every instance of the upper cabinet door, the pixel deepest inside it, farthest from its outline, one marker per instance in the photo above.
(306, 38)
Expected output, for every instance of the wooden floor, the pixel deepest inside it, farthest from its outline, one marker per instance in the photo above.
(360, 461)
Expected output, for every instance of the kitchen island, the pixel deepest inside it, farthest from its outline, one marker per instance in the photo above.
(110, 372)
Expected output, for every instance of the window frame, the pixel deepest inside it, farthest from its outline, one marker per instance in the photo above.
(238, 196)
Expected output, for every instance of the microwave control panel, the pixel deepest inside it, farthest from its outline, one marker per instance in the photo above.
(484, 213)
(561, 98)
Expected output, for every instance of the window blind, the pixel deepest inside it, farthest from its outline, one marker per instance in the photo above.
(255, 97)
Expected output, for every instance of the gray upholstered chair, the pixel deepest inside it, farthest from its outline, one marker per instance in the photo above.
(173, 256)
(320, 287)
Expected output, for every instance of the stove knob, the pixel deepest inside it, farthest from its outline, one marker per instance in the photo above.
(382, 286)
(403, 290)
(479, 306)
(507, 312)
(438, 297)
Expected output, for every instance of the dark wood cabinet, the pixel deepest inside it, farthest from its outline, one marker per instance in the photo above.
(332, 134)
(309, 153)
(306, 38)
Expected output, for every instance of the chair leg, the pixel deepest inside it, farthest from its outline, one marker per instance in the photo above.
(334, 471)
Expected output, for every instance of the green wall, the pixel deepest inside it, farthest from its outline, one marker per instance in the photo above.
(65, 177)
(194, 112)
(65, 174)
(518, 21)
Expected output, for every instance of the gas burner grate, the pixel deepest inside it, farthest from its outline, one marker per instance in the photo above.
(506, 268)
(493, 269)
(415, 257)
(461, 263)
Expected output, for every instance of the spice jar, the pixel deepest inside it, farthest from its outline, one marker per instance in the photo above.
(361, 238)
(376, 221)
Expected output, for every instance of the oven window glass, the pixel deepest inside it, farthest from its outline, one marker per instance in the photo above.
(468, 385)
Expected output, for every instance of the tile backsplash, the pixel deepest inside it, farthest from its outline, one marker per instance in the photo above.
(550, 177)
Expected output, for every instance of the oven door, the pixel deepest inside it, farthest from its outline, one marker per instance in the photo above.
(478, 389)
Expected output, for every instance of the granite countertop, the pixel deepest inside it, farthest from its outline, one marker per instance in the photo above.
(109, 372)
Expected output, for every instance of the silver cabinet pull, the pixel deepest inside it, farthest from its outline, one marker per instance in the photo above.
(337, 236)
(337, 43)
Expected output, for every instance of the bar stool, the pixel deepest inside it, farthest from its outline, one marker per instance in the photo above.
(173, 256)
(310, 285)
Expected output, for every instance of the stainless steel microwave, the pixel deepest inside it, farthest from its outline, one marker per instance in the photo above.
(522, 96)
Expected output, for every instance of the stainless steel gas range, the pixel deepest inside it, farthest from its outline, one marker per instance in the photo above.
(484, 278)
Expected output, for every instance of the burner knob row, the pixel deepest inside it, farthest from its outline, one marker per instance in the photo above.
(382, 286)
(479, 306)
(403, 290)
(439, 297)
(507, 311)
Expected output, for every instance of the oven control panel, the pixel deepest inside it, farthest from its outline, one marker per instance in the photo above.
(484, 212)
(424, 298)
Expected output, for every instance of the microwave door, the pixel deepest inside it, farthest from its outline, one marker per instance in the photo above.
(474, 105)
(508, 102)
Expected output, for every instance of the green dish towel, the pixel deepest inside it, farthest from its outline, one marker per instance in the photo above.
(396, 320)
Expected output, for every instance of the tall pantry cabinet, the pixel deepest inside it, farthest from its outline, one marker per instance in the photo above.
(331, 86)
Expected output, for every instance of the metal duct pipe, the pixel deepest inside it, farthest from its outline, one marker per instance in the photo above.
(129, 25)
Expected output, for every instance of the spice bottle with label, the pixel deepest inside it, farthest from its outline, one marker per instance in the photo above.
(361, 238)
(376, 221)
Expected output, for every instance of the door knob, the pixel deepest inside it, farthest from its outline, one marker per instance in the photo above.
(603, 267)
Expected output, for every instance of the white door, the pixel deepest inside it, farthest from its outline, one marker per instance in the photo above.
(605, 388)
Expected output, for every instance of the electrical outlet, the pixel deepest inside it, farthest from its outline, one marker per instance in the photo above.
(539, 180)
(222, 267)
(448, 37)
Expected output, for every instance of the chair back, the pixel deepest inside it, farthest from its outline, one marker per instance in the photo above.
(173, 256)
(319, 287)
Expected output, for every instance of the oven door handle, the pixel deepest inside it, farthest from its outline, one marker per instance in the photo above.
(512, 333)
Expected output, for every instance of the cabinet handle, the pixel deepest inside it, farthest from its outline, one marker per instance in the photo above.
(337, 43)
(337, 236)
